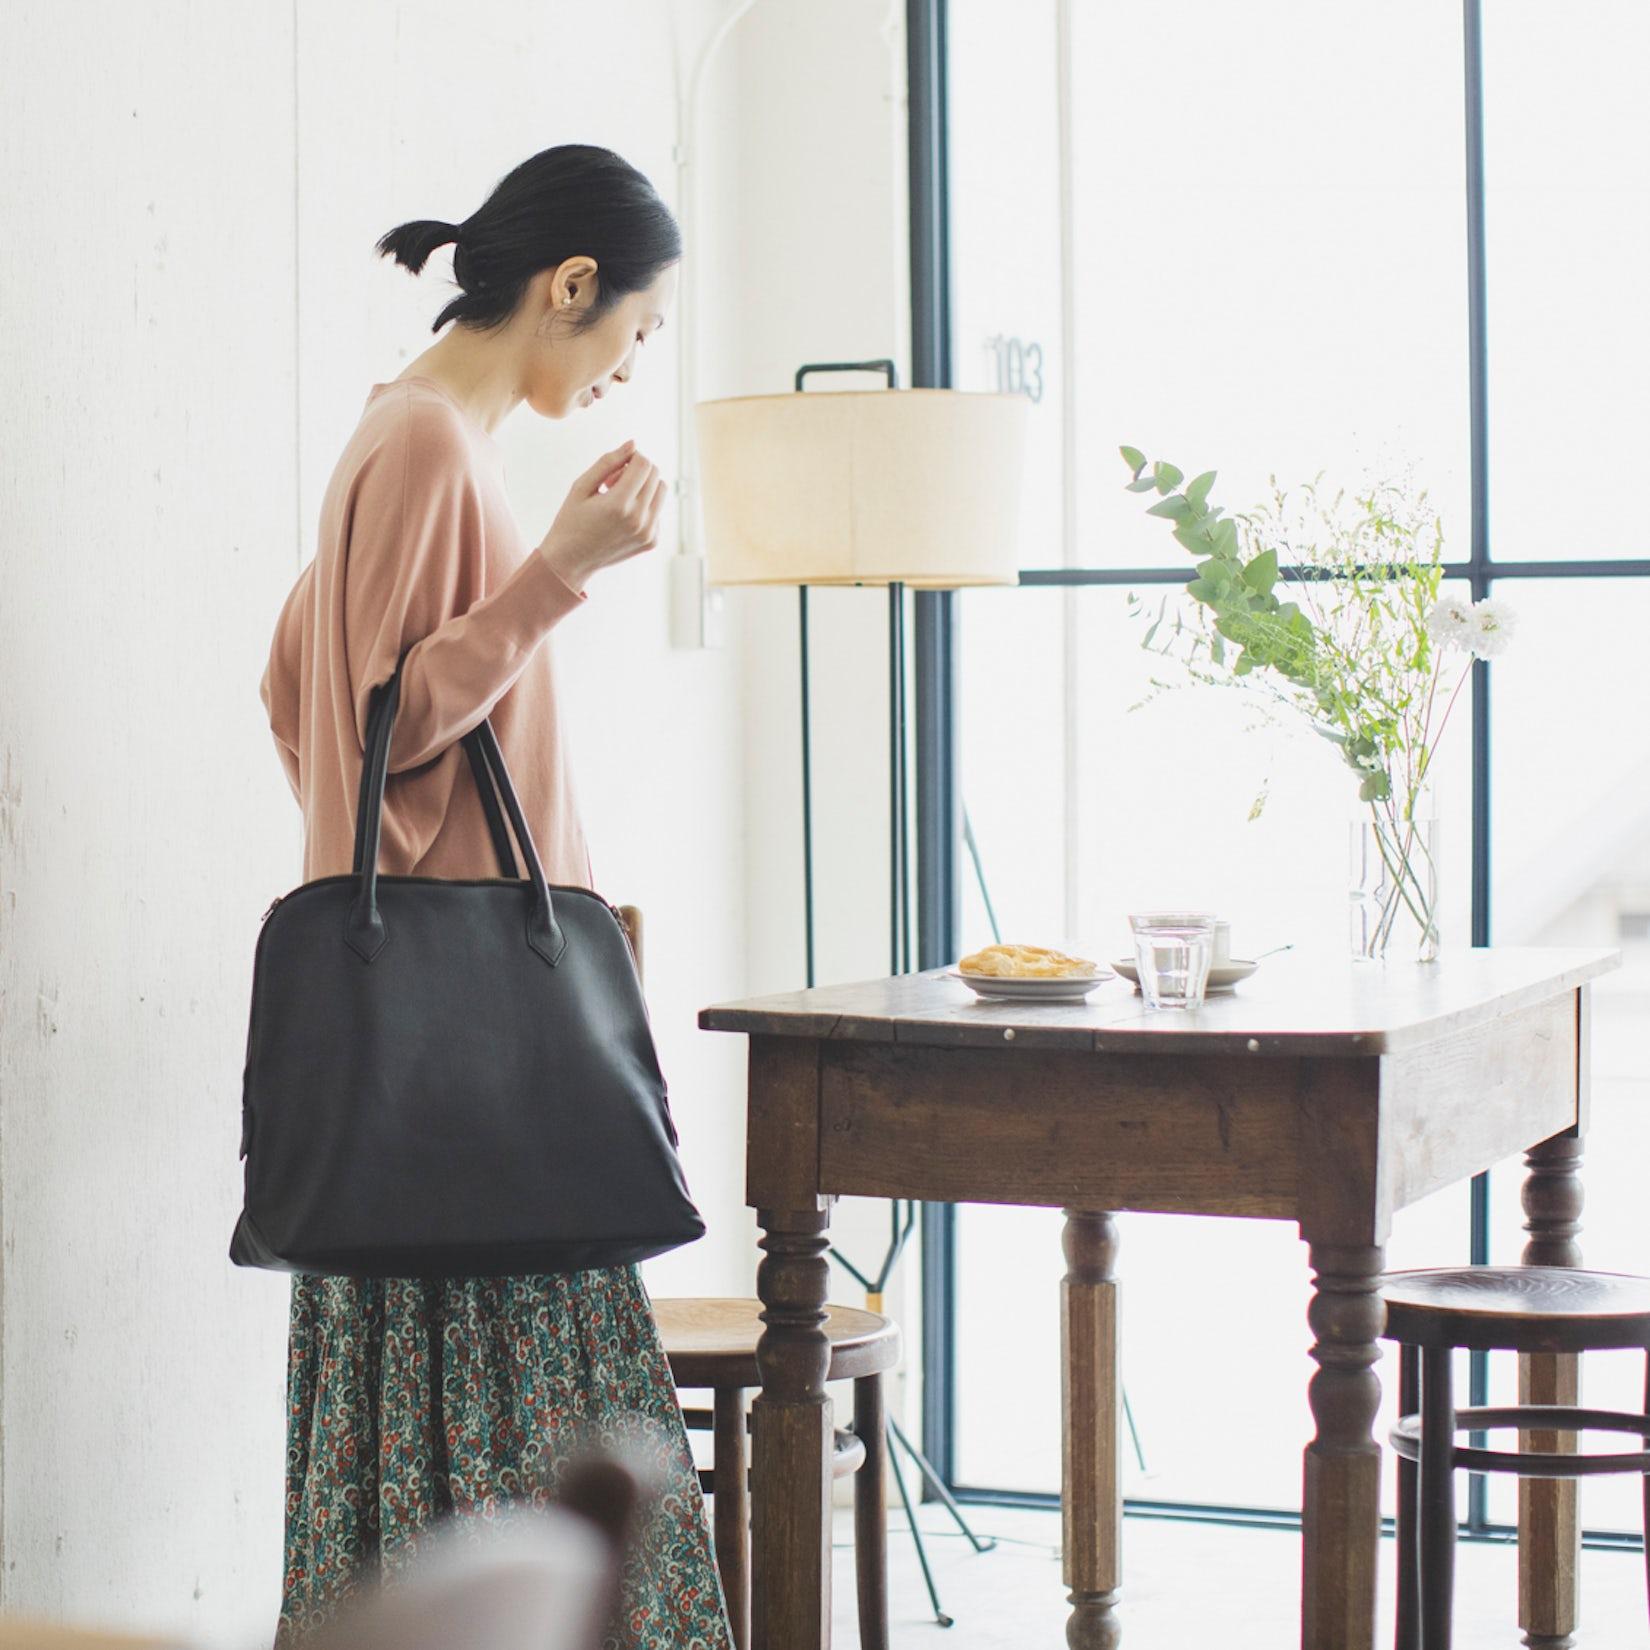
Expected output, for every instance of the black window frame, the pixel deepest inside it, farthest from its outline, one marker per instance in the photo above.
(938, 828)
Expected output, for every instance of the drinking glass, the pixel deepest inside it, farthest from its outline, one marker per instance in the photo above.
(1172, 951)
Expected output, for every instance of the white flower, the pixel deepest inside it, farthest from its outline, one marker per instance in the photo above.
(1493, 624)
(1451, 621)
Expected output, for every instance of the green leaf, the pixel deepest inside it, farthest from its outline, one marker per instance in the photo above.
(1262, 573)
(1375, 788)
(1144, 485)
(1134, 458)
(1167, 477)
(1200, 590)
(1198, 491)
(1171, 508)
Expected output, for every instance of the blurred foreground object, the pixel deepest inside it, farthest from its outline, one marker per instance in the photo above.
(23, 1633)
(544, 1580)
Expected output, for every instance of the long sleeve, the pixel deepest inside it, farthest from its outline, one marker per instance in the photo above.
(415, 571)
(279, 687)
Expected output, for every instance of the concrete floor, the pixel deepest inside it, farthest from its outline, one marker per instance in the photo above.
(1188, 1585)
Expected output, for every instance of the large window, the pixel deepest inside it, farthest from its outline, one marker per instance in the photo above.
(1279, 240)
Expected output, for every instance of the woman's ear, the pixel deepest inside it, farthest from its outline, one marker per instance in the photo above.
(573, 283)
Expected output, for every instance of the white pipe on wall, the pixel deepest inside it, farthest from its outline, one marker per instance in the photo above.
(695, 609)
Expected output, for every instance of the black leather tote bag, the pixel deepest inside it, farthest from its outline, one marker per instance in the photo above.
(451, 1077)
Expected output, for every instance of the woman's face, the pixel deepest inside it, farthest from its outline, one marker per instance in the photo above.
(575, 368)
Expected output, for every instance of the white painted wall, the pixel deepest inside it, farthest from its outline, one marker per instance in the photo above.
(150, 516)
(189, 198)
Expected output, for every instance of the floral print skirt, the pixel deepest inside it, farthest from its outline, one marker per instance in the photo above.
(411, 1400)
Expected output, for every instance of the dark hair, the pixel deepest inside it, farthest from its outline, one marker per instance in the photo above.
(570, 199)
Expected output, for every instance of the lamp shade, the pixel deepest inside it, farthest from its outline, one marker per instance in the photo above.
(863, 487)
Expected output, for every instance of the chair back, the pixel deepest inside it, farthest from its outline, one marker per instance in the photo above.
(630, 919)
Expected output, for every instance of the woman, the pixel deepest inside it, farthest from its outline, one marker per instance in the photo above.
(407, 1398)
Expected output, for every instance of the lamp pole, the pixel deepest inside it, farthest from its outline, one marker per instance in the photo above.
(902, 1212)
(899, 855)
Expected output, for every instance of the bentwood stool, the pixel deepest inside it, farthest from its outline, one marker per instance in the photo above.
(712, 1343)
(1487, 1308)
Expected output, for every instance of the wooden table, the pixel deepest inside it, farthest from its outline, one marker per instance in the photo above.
(1324, 1092)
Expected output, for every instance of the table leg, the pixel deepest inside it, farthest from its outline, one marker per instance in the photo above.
(1341, 1501)
(1091, 1497)
(1549, 1534)
(792, 1439)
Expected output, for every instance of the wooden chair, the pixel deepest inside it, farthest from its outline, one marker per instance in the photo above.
(1540, 1309)
(711, 1343)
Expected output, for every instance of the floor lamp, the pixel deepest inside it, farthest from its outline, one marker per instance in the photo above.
(911, 489)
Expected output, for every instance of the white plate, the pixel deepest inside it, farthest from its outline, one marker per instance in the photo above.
(1065, 988)
(1223, 977)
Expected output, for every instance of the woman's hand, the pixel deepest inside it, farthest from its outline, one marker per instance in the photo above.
(611, 513)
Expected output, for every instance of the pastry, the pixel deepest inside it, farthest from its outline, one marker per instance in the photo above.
(1026, 962)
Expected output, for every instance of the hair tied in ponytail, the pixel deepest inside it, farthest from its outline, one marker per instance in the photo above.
(571, 199)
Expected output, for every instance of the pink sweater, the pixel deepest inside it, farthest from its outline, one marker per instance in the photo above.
(418, 545)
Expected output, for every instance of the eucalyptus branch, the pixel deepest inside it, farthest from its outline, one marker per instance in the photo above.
(1343, 636)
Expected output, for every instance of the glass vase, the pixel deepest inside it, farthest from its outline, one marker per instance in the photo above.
(1394, 887)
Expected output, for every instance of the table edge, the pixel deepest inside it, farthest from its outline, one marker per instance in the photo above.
(1123, 1038)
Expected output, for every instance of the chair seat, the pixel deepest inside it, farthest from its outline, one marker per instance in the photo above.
(711, 1342)
(1522, 1308)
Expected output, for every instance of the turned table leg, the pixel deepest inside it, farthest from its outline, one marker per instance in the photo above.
(792, 1439)
(1341, 1516)
(1091, 1496)
(1549, 1535)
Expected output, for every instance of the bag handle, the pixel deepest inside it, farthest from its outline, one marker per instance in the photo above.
(496, 827)
(364, 930)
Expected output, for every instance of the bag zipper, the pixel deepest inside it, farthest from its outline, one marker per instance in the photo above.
(618, 915)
